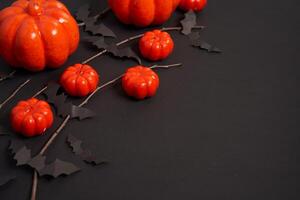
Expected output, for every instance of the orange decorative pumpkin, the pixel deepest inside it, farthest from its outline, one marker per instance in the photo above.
(31, 117)
(140, 82)
(156, 45)
(195, 5)
(143, 13)
(37, 33)
(79, 80)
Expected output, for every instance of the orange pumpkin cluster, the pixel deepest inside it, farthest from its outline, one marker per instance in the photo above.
(35, 34)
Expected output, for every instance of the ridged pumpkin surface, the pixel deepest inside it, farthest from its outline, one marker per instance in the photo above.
(143, 13)
(37, 33)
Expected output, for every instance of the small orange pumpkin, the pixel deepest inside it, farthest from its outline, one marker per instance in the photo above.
(143, 13)
(140, 82)
(31, 117)
(37, 33)
(195, 5)
(79, 80)
(156, 45)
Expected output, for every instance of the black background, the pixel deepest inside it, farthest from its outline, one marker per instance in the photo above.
(222, 127)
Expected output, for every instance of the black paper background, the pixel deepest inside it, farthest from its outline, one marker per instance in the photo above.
(226, 126)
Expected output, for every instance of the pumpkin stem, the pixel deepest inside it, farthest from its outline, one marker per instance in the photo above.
(35, 7)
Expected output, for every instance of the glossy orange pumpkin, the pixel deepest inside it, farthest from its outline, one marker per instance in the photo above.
(79, 80)
(195, 5)
(143, 12)
(31, 117)
(37, 33)
(156, 45)
(140, 82)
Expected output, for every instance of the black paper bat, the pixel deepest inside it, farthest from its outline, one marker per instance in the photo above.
(97, 41)
(83, 13)
(98, 29)
(75, 144)
(100, 43)
(189, 21)
(197, 42)
(23, 156)
(6, 178)
(15, 146)
(76, 112)
(85, 154)
(123, 53)
(38, 162)
(81, 113)
(65, 110)
(58, 168)
(209, 48)
(21, 153)
(51, 92)
(58, 101)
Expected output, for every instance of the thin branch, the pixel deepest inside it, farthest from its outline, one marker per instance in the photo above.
(42, 152)
(94, 57)
(119, 77)
(14, 93)
(54, 135)
(11, 74)
(18, 89)
(41, 91)
(106, 10)
(99, 88)
(178, 28)
(165, 66)
(134, 38)
(130, 39)
(34, 185)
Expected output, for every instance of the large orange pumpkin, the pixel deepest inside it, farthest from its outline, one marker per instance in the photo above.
(37, 33)
(143, 12)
